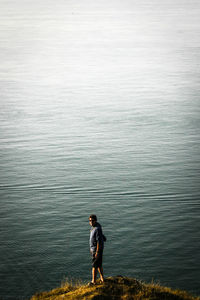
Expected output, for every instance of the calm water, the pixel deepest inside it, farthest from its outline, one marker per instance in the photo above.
(99, 114)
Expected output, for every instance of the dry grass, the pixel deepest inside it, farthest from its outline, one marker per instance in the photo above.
(115, 288)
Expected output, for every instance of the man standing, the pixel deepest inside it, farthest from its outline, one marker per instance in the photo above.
(96, 248)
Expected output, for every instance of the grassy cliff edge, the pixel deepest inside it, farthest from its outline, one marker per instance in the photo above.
(115, 288)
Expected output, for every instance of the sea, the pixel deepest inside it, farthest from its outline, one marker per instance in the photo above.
(99, 114)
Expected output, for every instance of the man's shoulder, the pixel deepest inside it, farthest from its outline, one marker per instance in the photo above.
(98, 225)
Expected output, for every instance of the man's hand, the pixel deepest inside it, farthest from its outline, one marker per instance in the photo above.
(97, 251)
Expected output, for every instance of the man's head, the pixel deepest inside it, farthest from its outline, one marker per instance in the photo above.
(92, 220)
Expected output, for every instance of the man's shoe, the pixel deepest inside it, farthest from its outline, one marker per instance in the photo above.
(91, 283)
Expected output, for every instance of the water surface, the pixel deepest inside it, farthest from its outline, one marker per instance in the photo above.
(99, 114)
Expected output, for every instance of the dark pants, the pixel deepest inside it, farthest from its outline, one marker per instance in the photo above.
(97, 261)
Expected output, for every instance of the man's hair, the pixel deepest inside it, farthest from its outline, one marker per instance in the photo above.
(93, 217)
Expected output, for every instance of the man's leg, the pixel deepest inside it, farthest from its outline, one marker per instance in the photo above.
(94, 275)
(100, 269)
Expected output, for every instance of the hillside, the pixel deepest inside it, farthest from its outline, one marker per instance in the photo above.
(115, 288)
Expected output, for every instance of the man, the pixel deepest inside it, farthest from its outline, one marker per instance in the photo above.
(96, 248)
